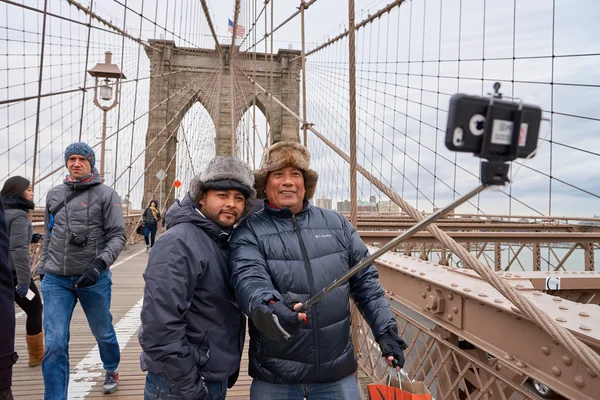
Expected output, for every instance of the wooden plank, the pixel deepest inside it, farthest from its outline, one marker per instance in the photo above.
(127, 289)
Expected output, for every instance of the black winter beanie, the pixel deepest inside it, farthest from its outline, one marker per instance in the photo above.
(15, 186)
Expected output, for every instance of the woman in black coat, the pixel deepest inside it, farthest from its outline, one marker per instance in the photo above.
(17, 197)
(151, 218)
(7, 319)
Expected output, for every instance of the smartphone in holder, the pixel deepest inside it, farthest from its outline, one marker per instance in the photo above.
(492, 128)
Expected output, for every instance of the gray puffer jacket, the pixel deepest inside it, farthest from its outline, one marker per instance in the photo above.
(191, 325)
(95, 213)
(19, 232)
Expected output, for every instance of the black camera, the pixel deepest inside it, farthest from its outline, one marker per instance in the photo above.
(77, 240)
(494, 129)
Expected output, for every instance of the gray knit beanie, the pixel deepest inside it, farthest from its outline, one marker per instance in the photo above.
(225, 173)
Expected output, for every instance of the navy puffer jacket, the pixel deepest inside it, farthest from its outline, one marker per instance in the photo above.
(274, 252)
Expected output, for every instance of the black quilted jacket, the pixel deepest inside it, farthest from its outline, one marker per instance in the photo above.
(274, 252)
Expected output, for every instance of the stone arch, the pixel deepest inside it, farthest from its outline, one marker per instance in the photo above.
(179, 77)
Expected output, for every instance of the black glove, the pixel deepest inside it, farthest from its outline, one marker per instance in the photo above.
(391, 344)
(22, 289)
(36, 237)
(91, 274)
(276, 319)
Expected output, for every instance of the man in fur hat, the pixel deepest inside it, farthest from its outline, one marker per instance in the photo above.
(283, 255)
(192, 331)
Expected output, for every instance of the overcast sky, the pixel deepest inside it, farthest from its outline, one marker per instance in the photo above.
(400, 127)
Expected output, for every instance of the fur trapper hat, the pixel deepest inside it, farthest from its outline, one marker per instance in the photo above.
(282, 155)
(225, 173)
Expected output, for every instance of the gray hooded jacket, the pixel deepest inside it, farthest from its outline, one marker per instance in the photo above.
(192, 328)
(95, 213)
(19, 232)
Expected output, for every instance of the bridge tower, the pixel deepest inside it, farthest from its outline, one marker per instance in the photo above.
(180, 77)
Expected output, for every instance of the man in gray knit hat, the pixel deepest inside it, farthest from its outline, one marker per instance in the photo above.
(192, 331)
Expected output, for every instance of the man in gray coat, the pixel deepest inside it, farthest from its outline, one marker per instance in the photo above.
(85, 232)
(192, 331)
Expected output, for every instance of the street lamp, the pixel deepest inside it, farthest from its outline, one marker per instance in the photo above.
(112, 75)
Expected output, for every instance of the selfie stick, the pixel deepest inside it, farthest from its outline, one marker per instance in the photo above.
(494, 171)
(390, 245)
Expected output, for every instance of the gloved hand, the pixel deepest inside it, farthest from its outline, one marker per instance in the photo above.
(36, 237)
(391, 344)
(91, 274)
(22, 289)
(276, 319)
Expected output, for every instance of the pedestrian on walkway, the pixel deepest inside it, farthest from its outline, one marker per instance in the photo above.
(85, 232)
(7, 319)
(192, 331)
(283, 255)
(17, 196)
(151, 217)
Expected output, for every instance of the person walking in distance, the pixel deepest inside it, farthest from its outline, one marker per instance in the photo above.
(85, 232)
(17, 196)
(151, 217)
(192, 331)
(8, 356)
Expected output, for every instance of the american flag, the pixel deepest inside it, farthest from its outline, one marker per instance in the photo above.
(240, 31)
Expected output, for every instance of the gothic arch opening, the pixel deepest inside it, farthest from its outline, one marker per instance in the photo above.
(195, 145)
(252, 133)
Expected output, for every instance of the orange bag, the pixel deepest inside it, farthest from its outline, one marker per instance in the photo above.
(401, 389)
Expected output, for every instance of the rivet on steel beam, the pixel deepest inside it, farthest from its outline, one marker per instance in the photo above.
(556, 371)
(450, 297)
(455, 310)
(428, 287)
(467, 289)
(450, 317)
(584, 314)
(536, 293)
(556, 298)
(508, 357)
(567, 360)
(482, 295)
(405, 267)
(413, 270)
(585, 328)
(421, 273)
(561, 319)
(498, 366)
(454, 284)
(428, 307)
(521, 364)
(563, 307)
(423, 295)
(499, 301)
(591, 373)
(579, 381)
(546, 350)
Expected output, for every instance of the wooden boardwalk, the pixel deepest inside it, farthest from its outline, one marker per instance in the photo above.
(87, 374)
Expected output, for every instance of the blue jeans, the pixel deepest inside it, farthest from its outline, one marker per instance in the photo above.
(344, 389)
(158, 387)
(150, 234)
(59, 301)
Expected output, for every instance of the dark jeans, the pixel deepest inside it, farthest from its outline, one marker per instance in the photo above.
(344, 389)
(33, 309)
(150, 230)
(6, 394)
(158, 387)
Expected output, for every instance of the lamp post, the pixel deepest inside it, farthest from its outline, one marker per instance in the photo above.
(109, 74)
